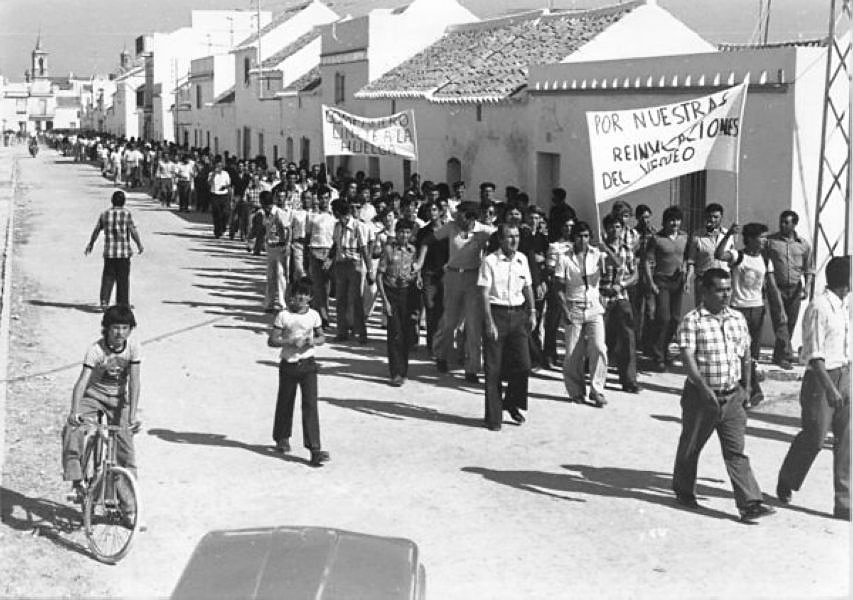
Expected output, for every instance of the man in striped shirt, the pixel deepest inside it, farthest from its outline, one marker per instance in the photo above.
(119, 228)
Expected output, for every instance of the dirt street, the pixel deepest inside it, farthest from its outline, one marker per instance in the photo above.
(576, 503)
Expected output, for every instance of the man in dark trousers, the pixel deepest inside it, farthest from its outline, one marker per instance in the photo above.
(714, 341)
(119, 228)
(510, 314)
(825, 393)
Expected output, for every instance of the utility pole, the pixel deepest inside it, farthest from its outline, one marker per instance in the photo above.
(260, 66)
(831, 235)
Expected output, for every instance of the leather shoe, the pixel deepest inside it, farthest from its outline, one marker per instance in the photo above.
(318, 457)
(687, 501)
(472, 378)
(282, 446)
(441, 366)
(783, 493)
(493, 426)
(516, 415)
(784, 363)
(395, 381)
(755, 511)
(597, 399)
(659, 367)
(841, 513)
(631, 388)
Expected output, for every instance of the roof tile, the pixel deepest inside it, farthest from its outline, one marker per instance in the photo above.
(492, 58)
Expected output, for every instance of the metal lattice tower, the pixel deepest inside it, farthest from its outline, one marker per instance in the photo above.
(831, 233)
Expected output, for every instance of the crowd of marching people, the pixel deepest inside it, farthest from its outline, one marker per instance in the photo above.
(491, 280)
(615, 299)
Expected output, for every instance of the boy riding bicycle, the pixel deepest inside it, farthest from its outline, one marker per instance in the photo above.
(109, 382)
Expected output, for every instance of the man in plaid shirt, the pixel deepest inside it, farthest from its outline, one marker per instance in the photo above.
(118, 227)
(714, 341)
(620, 272)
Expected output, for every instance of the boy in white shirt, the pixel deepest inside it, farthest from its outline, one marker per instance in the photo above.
(297, 331)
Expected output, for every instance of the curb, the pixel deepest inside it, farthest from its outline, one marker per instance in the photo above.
(5, 295)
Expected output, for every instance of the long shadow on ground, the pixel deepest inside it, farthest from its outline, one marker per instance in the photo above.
(42, 517)
(401, 411)
(222, 441)
(585, 480)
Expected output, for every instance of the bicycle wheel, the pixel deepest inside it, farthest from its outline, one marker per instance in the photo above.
(112, 513)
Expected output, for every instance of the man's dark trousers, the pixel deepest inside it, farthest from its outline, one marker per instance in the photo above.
(791, 299)
(220, 211)
(667, 313)
(817, 418)
(699, 419)
(433, 293)
(619, 323)
(507, 358)
(291, 375)
(116, 272)
(404, 313)
(754, 316)
(348, 295)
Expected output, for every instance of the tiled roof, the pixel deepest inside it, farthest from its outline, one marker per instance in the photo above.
(306, 83)
(275, 22)
(226, 97)
(489, 61)
(298, 44)
(814, 43)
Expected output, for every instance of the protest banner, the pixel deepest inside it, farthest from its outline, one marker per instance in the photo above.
(633, 149)
(350, 135)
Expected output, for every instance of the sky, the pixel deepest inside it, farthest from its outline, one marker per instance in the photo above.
(86, 36)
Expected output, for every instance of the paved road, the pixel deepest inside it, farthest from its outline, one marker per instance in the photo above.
(575, 503)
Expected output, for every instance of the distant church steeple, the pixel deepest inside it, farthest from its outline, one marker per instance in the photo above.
(38, 68)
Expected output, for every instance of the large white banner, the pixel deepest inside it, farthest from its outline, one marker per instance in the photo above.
(350, 135)
(633, 149)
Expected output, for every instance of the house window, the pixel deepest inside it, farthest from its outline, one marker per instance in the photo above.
(208, 140)
(454, 171)
(198, 96)
(195, 137)
(393, 106)
(260, 142)
(690, 192)
(373, 167)
(340, 88)
(215, 145)
(407, 173)
(275, 153)
(479, 112)
(247, 64)
(140, 97)
(288, 148)
(239, 140)
(305, 149)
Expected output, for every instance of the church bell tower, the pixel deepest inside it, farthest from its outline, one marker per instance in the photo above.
(38, 68)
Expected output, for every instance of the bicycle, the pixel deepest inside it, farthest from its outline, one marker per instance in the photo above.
(112, 508)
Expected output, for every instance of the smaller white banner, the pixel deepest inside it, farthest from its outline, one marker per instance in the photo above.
(351, 135)
(633, 149)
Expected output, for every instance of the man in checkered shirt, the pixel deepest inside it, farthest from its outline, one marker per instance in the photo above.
(118, 227)
(714, 341)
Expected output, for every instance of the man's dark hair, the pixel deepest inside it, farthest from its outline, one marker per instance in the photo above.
(790, 213)
(619, 207)
(341, 207)
(672, 212)
(323, 190)
(713, 207)
(559, 194)
(119, 314)
(118, 198)
(504, 226)
(458, 184)
(404, 224)
(487, 184)
(610, 219)
(713, 274)
(265, 198)
(753, 230)
(580, 227)
(641, 208)
(300, 286)
(838, 272)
